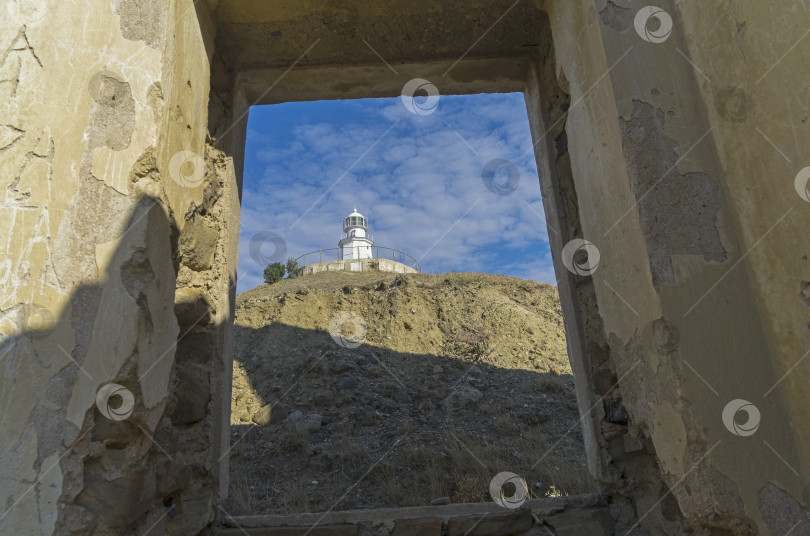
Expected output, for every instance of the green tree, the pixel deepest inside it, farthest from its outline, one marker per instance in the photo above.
(293, 270)
(273, 273)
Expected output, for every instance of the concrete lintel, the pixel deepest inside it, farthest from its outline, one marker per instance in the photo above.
(468, 76)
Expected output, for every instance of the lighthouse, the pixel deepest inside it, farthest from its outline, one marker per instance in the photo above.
(355, 243)
(356, 252)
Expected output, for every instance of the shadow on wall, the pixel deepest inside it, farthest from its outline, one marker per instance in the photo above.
(107, 419)
(329, 423)
(112, 424)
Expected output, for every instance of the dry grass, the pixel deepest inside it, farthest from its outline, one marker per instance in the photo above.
(451, 464)
(463, 469)
(295, 499)
(553, 383)
(240, 494)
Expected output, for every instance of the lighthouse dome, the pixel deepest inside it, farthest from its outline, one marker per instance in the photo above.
(355, 220)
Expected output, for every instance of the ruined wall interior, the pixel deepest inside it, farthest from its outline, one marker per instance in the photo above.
(669, 138)
(98, 100)
(692, 196)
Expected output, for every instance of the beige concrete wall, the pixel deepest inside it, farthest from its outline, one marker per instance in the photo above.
(756, 99)
(100, 219)
(687, 189)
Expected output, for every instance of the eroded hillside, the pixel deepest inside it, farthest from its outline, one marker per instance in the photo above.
(435, 384)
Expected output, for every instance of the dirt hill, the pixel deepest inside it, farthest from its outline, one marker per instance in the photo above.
(430, 386)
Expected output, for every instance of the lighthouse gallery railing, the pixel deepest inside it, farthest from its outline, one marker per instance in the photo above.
(379, 252)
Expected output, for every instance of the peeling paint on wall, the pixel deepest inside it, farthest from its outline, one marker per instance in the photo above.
(678, 211)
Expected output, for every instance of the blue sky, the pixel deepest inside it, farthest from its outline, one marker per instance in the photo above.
(418, 178)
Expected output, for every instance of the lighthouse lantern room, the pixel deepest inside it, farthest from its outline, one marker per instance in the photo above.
(355, 243)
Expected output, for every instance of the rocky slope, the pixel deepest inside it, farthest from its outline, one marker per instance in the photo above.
(374, 389)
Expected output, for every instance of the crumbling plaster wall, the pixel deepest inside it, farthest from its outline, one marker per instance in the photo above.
(105, 225)
(676, 159)
(751, 58)
(683, 156)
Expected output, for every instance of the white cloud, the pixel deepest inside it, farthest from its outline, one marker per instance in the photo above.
(414, 181)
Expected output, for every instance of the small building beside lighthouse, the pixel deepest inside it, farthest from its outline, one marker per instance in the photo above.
(356, 252)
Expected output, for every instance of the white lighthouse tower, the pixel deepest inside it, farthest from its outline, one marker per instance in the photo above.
(357, 253)
(355, 243)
